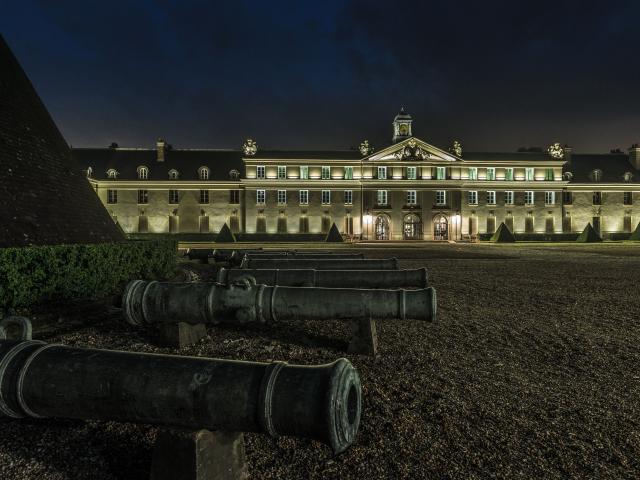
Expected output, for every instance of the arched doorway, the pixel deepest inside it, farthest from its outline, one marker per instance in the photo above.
(440, 228)
(382, 227)
(412, 227)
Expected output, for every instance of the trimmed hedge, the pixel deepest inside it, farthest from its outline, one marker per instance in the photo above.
(32, 275)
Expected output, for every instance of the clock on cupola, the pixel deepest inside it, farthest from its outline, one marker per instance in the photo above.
(401, 126)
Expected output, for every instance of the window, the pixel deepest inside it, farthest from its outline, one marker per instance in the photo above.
(304, 197)
(112, 196)
(548, 174)
(173, 174)
(348, 197)
(348, 173)
(112, 174)
(529, 199)
(411, 197)
(508, 198)
(597, 198)
(143, 173)
(549, 198)
(441, 197)
(382, 197)
(441, 173)
(234, 196)
(89, 172)
(628, 198)
(528, 174)
(472, 197)
(627, 177)
(282, 172)
(382, 173)
(204, 196)
(282, 197)
(174, 196)
(234, 174)
(411, 173)
(203, 173)
(326, 173)
(491, 173)
(260, 197)
(326, 197)
(143, 196)
(473, 173)
(596, 175)
(260, 171)
(304, 172)
(491, 198)
(567, 198)
(508, 174)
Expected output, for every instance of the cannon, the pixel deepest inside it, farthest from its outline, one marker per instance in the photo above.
(416, 278)
(304, 255)
(320, 264)
(320, 402)
(237, 256)
(153, 302)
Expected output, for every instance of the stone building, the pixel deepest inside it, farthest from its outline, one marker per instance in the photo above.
(407, 190)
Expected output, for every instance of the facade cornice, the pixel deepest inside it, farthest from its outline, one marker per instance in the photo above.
(164, 184)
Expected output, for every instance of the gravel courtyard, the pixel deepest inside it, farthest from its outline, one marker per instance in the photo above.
(530, 371)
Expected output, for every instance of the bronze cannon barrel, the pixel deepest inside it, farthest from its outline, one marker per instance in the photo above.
(238, 255)
(304, 255)
(320, 264)
(415, 278)
(245, 302)
(321, 402)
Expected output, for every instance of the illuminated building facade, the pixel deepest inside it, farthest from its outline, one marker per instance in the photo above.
(408, 190)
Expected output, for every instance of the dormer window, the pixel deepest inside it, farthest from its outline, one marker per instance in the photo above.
(628, 176)
(89, 172)
(112, 173)
(173, 174)
(567, 176)
(203, 173)
(596, 175)
(234, 174)
(143, 173)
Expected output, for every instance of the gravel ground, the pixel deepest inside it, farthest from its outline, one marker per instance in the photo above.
(531, 371)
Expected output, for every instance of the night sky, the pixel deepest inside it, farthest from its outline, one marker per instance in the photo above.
(327, 74)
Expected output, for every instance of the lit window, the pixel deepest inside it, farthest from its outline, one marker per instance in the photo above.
(112, 196)
(143, 196)
(440, 173)
(174, 196)
(382, 197)
(412, 197)
(348, 173)
(234, 197)
(304, 172)
(382, 173)
(304, 197)
(508, 174)
(548, 174)
(260, 171)
(173, 174)
(282, 197)
(348, 197)
(549, 198)
(203, 173)
(282, 172)
(411, 173)
(472, 197)
(326, 197)
(597, 198)
(260, 197)
(441, 197)
(204, 196)
(143, 173)
(628, 198)
(491, 198)
(491, 173)
(326, 173)
(528, 174)
(473, 173)
(112, 174)
(508, 198)
(528, 198)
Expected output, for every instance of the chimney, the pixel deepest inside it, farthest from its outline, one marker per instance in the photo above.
(567, 154)
(161, 146)
(634, 156)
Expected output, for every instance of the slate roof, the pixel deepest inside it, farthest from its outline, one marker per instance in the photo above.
(46, 198)
(309, 154)
(507, 156)
(186, 162)
(613, 166)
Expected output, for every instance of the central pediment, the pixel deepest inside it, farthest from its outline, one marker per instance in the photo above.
(412, 149)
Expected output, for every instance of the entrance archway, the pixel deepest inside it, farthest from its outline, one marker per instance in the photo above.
(440, 228)
(382, 227)
(412, 227)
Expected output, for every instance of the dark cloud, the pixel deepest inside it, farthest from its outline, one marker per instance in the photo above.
(495, 74)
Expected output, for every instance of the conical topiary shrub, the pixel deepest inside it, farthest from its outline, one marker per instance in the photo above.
(589, 235)
(503, 235)
(334, 235)
(225, 235)
(635, 236)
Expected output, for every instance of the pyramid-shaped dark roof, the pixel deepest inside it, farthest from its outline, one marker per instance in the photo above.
(503, 235)
(589, 235)
(46, 198)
